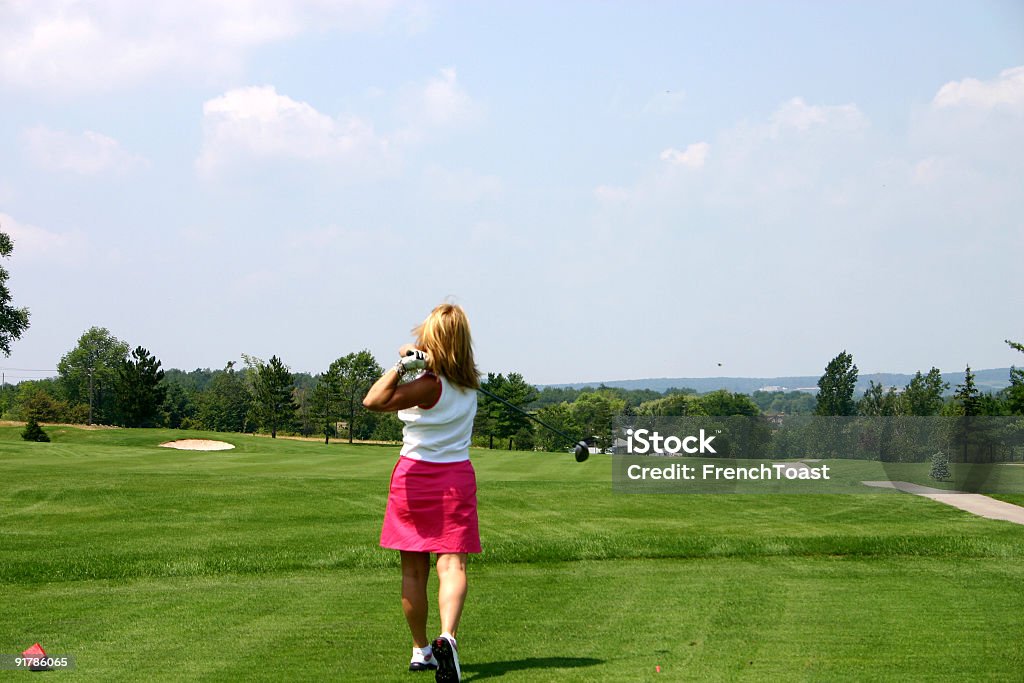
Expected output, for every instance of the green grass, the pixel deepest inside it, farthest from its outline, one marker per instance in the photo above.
(261, 563)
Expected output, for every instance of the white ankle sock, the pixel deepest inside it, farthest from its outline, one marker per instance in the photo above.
(422, 654)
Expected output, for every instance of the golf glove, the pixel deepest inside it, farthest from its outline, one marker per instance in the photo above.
(412, 360)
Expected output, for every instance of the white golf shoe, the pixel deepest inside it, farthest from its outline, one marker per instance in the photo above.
(421, 661)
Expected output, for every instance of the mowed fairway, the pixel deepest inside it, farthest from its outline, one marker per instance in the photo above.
(261, 563)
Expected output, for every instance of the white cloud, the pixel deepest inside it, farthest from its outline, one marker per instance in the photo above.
(802, 157)
(798, 115)
(88, 153)
(35, 243)
(974, 128)
(460, 186)
(814, 173)
(258, 123)
(441, 103)
(445, 102)
(693, 156)
(74, 46)
(1007, 89)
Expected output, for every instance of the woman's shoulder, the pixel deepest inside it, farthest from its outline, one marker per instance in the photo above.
(449, 384)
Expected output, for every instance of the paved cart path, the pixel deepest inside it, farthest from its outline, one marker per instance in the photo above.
(974, 503)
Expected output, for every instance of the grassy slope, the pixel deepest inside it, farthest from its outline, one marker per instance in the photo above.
(261, 562)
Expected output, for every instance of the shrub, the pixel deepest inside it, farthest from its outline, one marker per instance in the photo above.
(940, 467)
(33, 432)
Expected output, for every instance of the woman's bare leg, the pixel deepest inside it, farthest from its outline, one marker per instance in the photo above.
(451, 595)
(415, 570)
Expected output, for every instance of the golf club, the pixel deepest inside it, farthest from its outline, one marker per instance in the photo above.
(581, 449)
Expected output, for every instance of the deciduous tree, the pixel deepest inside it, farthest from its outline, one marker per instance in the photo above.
(89, 372)
(225, 404)
(877, 402)
(179, 406)
(593, 413)
(923, 394)
(357, 373)
(836, 387)
(723, 402)
(13, 321)
(558, 416)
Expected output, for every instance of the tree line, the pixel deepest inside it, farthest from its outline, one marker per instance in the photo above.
(589, 411)
(923, 396)
(102, 380)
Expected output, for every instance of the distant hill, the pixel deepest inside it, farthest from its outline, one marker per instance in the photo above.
(987, 380)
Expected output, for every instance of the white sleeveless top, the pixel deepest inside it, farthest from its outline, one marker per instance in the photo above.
(442, 432)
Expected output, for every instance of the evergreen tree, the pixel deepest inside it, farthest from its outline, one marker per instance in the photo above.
(516, 391)
(940, 467)
(1015, 392)
(326, 401)
(273, 405)
(488, 411)
(968, 396)
(141, 390)
(33, 432)
(494, 419)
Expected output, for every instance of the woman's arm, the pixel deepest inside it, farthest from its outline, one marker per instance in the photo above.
(388, 396)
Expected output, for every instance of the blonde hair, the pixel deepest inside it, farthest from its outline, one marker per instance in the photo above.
(445, 336)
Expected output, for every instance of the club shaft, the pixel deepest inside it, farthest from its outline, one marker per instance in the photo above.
(536, 419)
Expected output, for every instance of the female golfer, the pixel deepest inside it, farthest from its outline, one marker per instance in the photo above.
(432, 500)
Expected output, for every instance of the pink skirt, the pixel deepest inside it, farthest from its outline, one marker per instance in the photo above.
(431, 508)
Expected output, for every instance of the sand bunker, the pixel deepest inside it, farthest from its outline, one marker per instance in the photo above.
(198, 445)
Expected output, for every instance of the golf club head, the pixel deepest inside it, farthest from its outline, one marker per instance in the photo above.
(582, 451)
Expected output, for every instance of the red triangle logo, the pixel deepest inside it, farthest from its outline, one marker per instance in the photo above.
(34, 651)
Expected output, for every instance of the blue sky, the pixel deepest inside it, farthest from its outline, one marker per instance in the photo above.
(612, 190)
